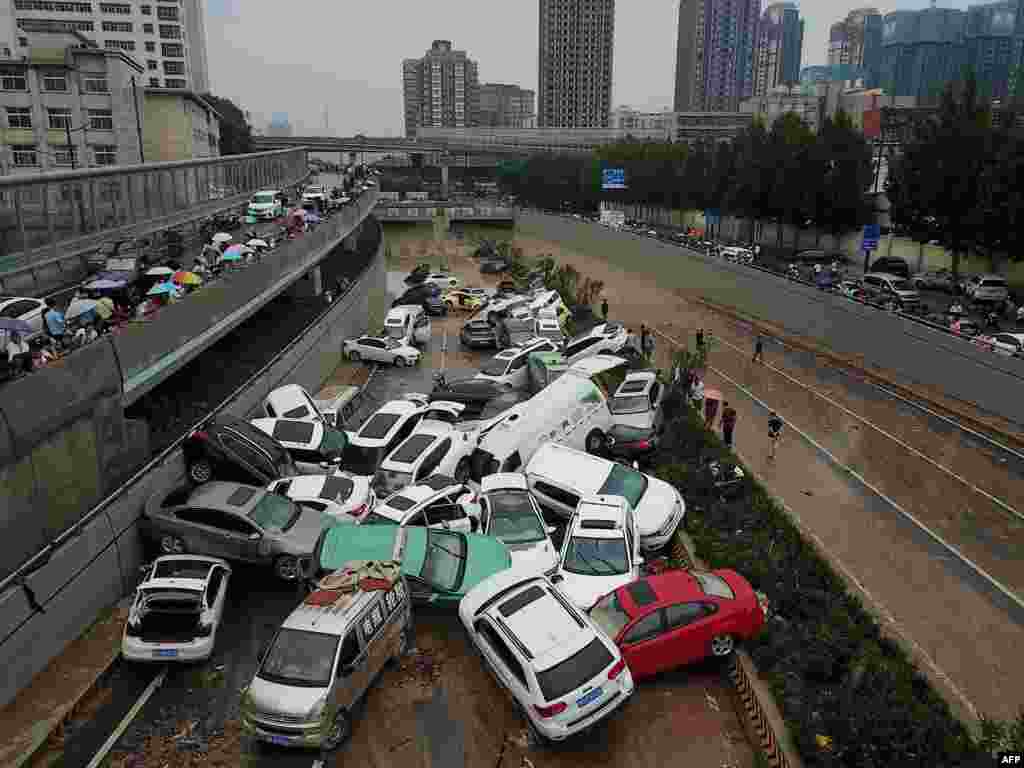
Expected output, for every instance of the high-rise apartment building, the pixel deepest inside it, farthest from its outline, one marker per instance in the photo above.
(167, 37)
(575, 63)
(780, 40)
(993, 38)
(441, 89)
(715, 54)
(857, 41)
(922, 51)
(506, 106)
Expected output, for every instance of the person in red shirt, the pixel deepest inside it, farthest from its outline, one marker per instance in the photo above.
(728, 423)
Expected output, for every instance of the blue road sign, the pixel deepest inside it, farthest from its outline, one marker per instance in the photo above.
(872, 232)
(613, 178)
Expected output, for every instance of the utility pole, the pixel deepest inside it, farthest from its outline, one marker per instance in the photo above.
(71, 147)
(138, 121)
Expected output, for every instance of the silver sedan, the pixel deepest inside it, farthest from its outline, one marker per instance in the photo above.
(381, 350)
(236, 522)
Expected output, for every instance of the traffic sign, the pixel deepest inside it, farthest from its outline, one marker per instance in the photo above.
(872, 232)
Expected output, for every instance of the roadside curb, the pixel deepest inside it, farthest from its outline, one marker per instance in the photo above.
(42, 732)
(754, 701)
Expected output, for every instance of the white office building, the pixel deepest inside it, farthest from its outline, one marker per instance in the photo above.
(168, 37)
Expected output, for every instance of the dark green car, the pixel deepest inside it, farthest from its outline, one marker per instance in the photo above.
(440, 565)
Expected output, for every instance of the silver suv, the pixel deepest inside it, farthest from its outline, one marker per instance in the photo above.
(890, 289)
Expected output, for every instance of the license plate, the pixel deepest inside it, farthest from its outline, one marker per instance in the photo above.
(165, 653)
(281, 741)
(589, 698)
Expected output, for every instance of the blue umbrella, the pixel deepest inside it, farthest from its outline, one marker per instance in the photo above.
(83, 310)
(312, 218)
(105, 285)
(14, 325)
(161, 289)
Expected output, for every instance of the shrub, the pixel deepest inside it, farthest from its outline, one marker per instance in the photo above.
(831, 670)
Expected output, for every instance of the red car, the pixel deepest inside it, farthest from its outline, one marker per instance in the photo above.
(679, 617)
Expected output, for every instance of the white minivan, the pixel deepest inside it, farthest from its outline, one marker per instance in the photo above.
(573, 409)
(410, 324)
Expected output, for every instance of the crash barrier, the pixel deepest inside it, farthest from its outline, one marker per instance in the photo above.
(741, 673)
(55, 596)
(910, 349)
(54, 216)
(426, 212)
(150, 352)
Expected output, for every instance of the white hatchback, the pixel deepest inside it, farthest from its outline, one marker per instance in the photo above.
(381, 350)
(344, 497)
(509, 513)
(563, 673)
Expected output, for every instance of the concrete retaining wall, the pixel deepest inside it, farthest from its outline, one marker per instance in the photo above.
(99, 565)
(908, 349)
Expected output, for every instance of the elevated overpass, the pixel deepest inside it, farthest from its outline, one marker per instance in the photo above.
(475, 143)
(412, 211)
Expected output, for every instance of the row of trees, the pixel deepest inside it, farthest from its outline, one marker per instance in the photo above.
(960, 179)
(785, 173)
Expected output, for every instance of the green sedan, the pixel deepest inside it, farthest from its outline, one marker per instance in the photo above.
(441, 566)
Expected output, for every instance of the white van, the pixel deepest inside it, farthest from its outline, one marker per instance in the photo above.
(561, 477)
(573, 410)
(408, 323)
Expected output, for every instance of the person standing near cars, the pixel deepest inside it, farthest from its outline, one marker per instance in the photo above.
(604, 309)
(774, 435)
(729, 416)
(759, 349)
(53, 319)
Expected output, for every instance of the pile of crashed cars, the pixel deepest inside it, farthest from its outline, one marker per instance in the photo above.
(516, 496)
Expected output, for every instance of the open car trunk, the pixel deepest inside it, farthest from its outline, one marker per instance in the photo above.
(170, 617)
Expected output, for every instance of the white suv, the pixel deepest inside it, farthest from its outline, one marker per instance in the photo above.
(390, 425)
(508, 367)
(562, 672)
(605, 338)
(436, 502)
(601, 551)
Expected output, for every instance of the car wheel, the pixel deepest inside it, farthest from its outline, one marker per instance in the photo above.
(354, 356)
(339, 731)
(463, 470)
(595, 442)
(287, 567)
(399, 362)
(172, 545)
(722, 645)
(200, 471)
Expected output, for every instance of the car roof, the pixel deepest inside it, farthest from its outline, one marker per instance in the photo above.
(636, 383)
(502, 481)
(332, 610)
(590, 366)
(666, 588)
(588, 472)
(602, 517)
(236, 497)
(885, 275)
(545, 626)
(304, 486)
(291, 431)
(419, 441)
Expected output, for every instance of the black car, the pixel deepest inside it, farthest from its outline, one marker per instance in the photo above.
(478, 334)
(475, 394)
(427, 295)
(494, 265)
(890, 265)
(626, 443)
(232, 449)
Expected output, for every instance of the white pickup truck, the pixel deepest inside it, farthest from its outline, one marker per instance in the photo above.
(292, 401)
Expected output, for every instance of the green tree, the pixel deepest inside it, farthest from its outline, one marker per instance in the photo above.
(842, 168)
(235, 131)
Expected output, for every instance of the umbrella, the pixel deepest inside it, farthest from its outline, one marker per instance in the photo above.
(232, 256)
(105, 307)
(14, 325)
(184, 277)
(257, 243)
(311, 217)
(222, 237)
(160, 272)
(161, 289)
(105, 285)
(81, 309)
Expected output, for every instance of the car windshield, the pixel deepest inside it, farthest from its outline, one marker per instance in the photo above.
(495, 367)
(627, 482)
(575, 671)
(390, 343)
(588, 556)
(714, 585)
(901, 285)
(609, 614)
(333, 443)
(387, 481)
(301, 658)
(262, 199)
(275, 513)
(360, 460)
(445, 560)
(513, 520)
(629, 404)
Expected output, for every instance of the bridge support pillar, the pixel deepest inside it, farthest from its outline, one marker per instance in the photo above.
(444, 182)
(308, 286)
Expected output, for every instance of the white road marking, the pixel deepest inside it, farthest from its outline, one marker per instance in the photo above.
(101, 755)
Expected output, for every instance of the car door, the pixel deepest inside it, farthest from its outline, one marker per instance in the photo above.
(242, 538)
(656, 394)
(691, 626)
(351, 677)
(247, 462)
(216, 592)
(501, 662)
(433, 460)
(204, 532)
(645, 645)
(375, 350)
(421, 330)
(516, 375)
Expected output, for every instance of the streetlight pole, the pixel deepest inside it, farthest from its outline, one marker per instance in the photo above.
(138, 121)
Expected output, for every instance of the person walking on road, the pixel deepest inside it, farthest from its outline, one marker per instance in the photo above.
(728, 423)
(645, 340)
(700, 339)
(774, 435)
(759, 349)
(604, 309)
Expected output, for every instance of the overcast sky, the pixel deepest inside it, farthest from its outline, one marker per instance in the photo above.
(299, 59)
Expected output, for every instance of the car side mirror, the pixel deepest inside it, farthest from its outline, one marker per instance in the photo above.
(254, 537)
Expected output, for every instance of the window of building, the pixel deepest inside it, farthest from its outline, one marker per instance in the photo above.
(174, 67)
(167, 12)
(119, 45)
(55, 82)
(154, 82)
(63, 154)
(58, 118)
(47, 5)
(13, 80)
(122, 9)
(24, 155)
(95, 85)
(146, 10)
(105, 154)
(148, 29)
(150, 46)
(170, 32)
(174, 83)
(150, 64)
(172, 50)
(19, 117)
(101, 120)
(117, 26)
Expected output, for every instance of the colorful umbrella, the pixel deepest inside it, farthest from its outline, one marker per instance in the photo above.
(105, 307)
(162, 289)
(232, 256)
(81, 309)
(160, 272)
(222, 237)
(257, 243)
(185, 277)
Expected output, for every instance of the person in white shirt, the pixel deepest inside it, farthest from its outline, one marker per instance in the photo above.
(18, 352)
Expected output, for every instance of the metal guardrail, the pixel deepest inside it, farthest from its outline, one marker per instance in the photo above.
(17, 577)
(55, 216)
